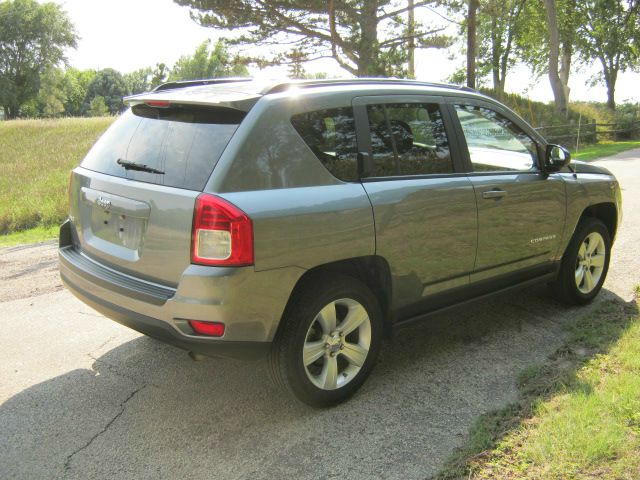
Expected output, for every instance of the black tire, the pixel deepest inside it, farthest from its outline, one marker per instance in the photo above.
(287, 368)
(565, 287)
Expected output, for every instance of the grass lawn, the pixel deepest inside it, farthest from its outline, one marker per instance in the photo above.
(33, 235)
(35, 159)
(605, 149)
(578, 416)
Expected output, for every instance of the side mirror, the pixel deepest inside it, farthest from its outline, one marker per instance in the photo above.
(556, 158)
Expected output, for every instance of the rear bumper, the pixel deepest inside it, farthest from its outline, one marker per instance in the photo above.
(162, 331)
(249, 303)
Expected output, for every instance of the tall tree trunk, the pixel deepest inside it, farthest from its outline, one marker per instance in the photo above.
(557, 85)
(368, 62)
(566, 54)
(472, 24)
(411, 30)
(495, 58)
(610, 78)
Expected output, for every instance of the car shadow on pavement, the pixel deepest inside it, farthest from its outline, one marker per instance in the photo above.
(145, 410)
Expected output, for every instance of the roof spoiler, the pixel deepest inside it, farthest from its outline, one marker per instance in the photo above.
(199, 83)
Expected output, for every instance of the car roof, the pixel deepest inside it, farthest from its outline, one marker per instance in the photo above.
(243, 93)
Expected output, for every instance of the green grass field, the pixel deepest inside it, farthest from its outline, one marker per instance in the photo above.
(605, 149)
(578, 416)
(35, 159)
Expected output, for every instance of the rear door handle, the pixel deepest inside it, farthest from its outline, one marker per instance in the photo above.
(494, 194)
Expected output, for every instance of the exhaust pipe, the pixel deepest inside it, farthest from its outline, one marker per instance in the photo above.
(196, 357)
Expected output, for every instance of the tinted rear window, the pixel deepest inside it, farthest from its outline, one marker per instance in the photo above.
(184, 143)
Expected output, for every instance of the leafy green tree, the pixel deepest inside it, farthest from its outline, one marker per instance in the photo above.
(159, 75)
(365, 37)
(110, 85)
(490, 29)
(208, 63)
(499, 24)
(98, 107)
(33, 38)
(550, 50)
(139, 81)
(75, 85)
(609, 32)
(51, 96)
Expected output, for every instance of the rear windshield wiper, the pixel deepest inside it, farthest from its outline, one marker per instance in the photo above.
(138, 167)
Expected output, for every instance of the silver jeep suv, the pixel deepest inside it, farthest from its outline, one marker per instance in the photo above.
(303, 221)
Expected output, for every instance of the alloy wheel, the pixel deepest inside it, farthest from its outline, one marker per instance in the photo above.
(337, 344)
(590, 262)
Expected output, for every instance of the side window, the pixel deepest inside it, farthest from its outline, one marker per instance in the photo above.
(408, 139)
(495, 143)
(331, 136)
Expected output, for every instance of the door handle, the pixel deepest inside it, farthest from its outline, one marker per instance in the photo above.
(494, 194)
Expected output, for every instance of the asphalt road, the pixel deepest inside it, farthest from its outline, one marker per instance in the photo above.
(83, 397)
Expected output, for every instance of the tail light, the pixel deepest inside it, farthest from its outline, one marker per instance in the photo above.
(222, 234)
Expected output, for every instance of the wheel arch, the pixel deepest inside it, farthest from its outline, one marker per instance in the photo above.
(606, 212)
(371, 270)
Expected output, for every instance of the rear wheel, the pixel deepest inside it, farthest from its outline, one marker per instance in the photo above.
(585, 263)
(329, 340)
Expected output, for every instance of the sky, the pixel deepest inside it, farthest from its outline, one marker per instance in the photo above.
(131, 34)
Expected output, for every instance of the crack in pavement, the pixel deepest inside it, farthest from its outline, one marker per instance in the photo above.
(112, 368)
(67, 462)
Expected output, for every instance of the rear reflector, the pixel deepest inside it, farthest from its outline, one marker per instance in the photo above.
(211, 329)
(222, 234)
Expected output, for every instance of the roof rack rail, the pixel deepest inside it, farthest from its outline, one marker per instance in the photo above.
(285, 85)
(198, 83)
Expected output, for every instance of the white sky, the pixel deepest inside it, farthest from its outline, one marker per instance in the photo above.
(131, 34)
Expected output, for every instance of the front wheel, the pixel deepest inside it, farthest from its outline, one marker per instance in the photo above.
(585, 263)
(329, 341)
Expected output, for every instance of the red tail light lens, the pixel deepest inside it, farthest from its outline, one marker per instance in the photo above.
(222, 234)
(211, 329)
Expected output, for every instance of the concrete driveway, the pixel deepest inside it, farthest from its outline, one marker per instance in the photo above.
(83, 397)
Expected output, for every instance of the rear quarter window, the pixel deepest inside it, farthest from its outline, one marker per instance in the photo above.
(331, 136)
(183, 142)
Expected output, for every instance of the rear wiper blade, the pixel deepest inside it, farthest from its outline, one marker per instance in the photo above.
(138, 167)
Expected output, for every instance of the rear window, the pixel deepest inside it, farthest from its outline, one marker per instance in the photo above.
(183, 142)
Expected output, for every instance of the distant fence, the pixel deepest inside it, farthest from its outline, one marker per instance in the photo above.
(589, 132)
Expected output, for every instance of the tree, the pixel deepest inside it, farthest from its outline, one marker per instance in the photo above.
(138, 81)
(296, 67)
(98, 107)
(472, 27)
(550, 51)
(51, 96)
(207, 63)
(499, 24)
(33, 38)
(108, 84)
(610, 33)
(75, 85)
(365, 37)
(491, 28)
(560, 88)
(159, 75)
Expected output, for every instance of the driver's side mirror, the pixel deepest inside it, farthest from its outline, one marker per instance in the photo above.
(556, 158)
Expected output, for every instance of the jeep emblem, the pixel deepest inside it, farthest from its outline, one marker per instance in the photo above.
(104, 204)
